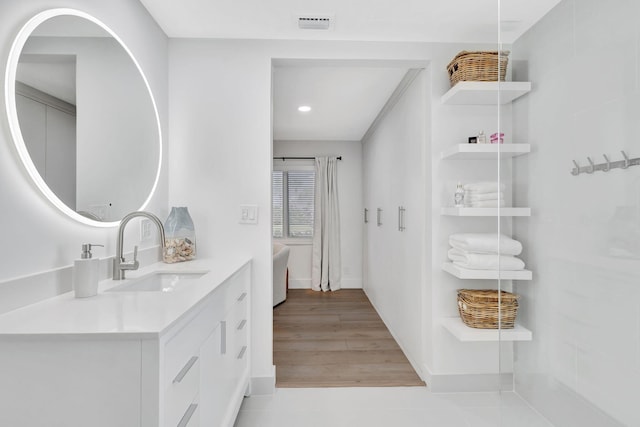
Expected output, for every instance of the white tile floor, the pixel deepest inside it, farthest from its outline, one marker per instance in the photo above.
(386, 407)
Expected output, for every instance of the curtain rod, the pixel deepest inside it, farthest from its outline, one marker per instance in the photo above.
(299, 158)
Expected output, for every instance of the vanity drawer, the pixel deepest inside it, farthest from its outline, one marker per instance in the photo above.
(241, 357)
(186, 342)
(182, 392)
(237, 291)
(191, 417)
(182, 361)
(240, 331)
(236, 298)
(240, 320)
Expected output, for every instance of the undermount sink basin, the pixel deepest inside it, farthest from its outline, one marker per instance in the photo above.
(161, 281)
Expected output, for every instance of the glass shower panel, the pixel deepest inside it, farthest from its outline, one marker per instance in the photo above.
(467, 109)
(582, 240)
(508, 244)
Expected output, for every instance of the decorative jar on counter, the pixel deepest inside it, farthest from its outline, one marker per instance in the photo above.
(180, 236)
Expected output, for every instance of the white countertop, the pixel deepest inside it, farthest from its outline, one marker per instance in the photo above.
(132, 315)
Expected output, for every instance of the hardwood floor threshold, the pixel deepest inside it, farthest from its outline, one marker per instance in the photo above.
(336, 339)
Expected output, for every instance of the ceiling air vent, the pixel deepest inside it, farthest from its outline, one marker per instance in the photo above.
(314, 22)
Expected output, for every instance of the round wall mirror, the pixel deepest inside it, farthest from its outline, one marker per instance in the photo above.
(82, 117)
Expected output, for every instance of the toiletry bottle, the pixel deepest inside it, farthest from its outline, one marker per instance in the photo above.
(482, 138)
(458, 196)
(85, 273)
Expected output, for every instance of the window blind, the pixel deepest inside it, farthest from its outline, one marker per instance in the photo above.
(277, 203)
(300, 197)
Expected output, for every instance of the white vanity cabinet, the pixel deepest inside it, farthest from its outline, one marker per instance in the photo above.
(224, 372)
(205, 358)
(194, 372)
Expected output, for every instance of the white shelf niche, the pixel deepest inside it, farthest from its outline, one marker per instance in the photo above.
(485, 93)
(466, 334)
(486, 211)
(484, 151)
(465, 273)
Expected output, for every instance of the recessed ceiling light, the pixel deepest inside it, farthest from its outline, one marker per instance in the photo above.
(304, 108)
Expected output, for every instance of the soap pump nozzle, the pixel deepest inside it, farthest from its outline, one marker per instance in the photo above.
(86, 250)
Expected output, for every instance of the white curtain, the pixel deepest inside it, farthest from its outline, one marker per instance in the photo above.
(326, 273)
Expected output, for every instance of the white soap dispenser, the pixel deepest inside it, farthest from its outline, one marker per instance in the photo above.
(85, 273)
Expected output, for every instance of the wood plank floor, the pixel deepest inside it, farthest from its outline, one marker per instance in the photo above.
(335, 339)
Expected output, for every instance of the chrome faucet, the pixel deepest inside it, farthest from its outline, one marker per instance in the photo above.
(120, 265)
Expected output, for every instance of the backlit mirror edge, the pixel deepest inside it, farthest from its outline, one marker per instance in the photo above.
(14, 126)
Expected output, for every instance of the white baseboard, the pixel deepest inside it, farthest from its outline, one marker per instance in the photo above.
(299, 283)
(561, 404)
(466, 383)
(351, 283)
(306, 283)
(264, 385)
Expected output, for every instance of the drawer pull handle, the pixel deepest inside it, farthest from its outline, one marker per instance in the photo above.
(241, 297)
(241, 325)
(223, 337)
(241, 354)
(187, 415)
(183, 372)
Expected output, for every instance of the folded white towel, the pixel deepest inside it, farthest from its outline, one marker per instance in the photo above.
(487, 243)
(484, 187)
(476, 261)
(476, 197)
(485, 204)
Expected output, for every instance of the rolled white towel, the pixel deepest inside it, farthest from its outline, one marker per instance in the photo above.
(476, 261)
(484, 187)
(473, 196)
(486, 204)
(487, 243)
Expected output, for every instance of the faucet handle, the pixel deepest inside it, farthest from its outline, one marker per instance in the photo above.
(129, 265)
(135, 264)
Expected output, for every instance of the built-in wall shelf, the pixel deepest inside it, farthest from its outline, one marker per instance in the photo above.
(484, 151)
(466, 334)
(486, 211)
(465, 273)
(485, 93)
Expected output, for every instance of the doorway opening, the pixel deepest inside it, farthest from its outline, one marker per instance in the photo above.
(333, 339)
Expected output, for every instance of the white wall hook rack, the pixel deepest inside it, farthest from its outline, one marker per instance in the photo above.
(605, 167)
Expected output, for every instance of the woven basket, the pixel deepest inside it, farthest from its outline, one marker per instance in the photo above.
(478, 66)
(478, 308)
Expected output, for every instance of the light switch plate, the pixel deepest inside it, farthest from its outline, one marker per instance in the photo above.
(248, 214)
(145, 229)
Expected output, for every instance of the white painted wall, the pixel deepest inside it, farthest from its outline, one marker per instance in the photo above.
(583, 365)
(397, 261)
(37, 236)
(350, 199)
